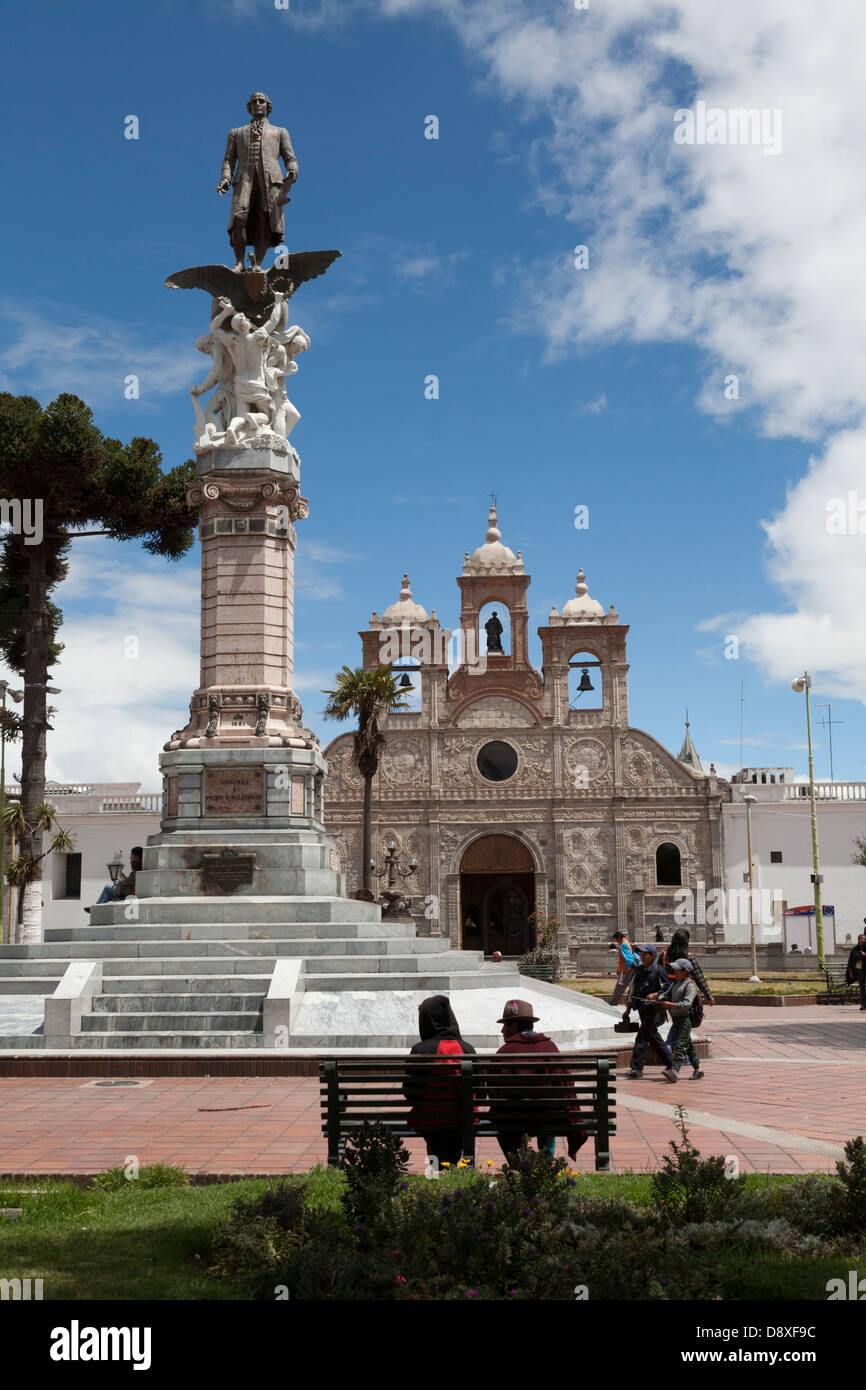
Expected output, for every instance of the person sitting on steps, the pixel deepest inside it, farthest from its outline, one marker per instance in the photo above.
(124, 887)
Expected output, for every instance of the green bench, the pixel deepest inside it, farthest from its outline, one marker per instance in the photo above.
(837, 985)
(355, 1089)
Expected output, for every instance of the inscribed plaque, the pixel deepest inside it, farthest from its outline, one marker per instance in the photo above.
(230, 791)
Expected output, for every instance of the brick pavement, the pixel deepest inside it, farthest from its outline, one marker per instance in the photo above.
(790, 1084)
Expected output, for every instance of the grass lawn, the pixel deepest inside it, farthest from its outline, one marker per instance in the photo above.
(719, 984)
(140, 1243)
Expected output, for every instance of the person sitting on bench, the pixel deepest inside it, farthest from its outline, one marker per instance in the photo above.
(512, 1121)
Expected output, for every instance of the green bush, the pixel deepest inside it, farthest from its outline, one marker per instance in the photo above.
(853, 1177)
(152, 1175)
(526, 1232)
(689, 1188)
(812, 1205)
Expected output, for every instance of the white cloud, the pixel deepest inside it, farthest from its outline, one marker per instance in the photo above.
(596, 407)
(89, 358)
(756, 261)
(129, 665)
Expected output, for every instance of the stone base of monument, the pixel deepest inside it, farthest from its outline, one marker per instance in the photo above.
(228, 862)
(311, 973)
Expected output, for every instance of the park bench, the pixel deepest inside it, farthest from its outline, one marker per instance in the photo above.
(836, 982)
(355, 1089)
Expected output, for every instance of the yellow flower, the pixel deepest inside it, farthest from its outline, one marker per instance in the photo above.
(446, 1165)
(490, 1163)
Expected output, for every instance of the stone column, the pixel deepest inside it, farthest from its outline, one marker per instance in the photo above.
(243, 778)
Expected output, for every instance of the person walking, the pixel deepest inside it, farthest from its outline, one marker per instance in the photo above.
(680, 999)
(434, 1091)
(626, 963)
(649, 978)
(855, 972)
(679, 950)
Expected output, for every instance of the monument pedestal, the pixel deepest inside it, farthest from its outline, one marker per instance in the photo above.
(244, 781)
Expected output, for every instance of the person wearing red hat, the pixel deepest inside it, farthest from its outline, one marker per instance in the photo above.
(513, 1122)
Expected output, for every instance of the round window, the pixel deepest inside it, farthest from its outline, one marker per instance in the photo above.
(497, 761)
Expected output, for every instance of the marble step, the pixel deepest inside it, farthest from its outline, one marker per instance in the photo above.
(456, 978)
(197, 1002)
(58, 954)
(205, 1024)
(261, 909)
(395, 964)
(118, 985)
(233, 931)
(180, 1040)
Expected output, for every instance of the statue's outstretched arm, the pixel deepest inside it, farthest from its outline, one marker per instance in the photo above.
(280, 305)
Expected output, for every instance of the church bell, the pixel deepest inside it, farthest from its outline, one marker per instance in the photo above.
(404, 683)
(585, 682)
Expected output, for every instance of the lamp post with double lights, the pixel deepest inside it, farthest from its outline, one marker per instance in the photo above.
(394, 897)
(801, 684)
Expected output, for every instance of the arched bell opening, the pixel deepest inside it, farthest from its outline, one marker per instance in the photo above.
(585, 684)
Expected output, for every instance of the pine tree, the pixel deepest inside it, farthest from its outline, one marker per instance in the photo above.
(57, 457)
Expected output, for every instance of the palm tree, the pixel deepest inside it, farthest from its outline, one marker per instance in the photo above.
(27, 866)
(369, 695)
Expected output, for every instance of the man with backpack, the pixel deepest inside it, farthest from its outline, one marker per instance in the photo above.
(649, 979)
(626, 964)
(683, 1002)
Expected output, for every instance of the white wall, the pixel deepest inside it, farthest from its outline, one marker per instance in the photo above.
(785, 826)
(97, 837)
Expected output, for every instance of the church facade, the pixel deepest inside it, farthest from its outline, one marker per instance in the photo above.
(524, 793)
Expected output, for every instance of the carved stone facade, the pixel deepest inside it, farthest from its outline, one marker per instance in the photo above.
(598, 812)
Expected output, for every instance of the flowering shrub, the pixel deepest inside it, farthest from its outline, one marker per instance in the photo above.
(546, 950)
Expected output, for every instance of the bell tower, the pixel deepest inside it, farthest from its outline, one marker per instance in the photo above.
(493, 574)
(584, 630)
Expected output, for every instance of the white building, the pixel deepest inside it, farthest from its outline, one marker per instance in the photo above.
(782, 858)
(107, 820)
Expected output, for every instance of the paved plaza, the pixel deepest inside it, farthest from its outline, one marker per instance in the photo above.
(783, 1091)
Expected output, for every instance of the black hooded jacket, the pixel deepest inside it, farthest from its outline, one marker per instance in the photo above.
(434, 1092)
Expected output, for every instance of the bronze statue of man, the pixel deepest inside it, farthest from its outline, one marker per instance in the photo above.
(252, 168)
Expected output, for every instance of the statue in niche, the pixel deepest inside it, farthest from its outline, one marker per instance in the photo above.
(493, 628)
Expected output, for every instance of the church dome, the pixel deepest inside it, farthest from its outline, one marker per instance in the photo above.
(582, 608)
(493, 557)
(405, 610)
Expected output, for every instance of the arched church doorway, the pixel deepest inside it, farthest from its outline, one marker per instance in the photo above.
(497, 896)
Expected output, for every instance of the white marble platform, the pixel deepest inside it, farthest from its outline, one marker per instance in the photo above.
(389, 1018)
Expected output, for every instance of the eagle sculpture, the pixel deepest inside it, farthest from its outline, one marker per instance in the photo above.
(251, 292)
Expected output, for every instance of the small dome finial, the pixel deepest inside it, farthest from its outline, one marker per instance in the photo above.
(493, 531)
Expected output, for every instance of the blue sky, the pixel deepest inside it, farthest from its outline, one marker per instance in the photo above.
(558, 386)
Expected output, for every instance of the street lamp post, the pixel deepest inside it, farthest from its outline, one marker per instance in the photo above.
(801, 684)
(754, 978)
(18, 696)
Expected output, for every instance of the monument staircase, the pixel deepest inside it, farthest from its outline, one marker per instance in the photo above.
(193, 973)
